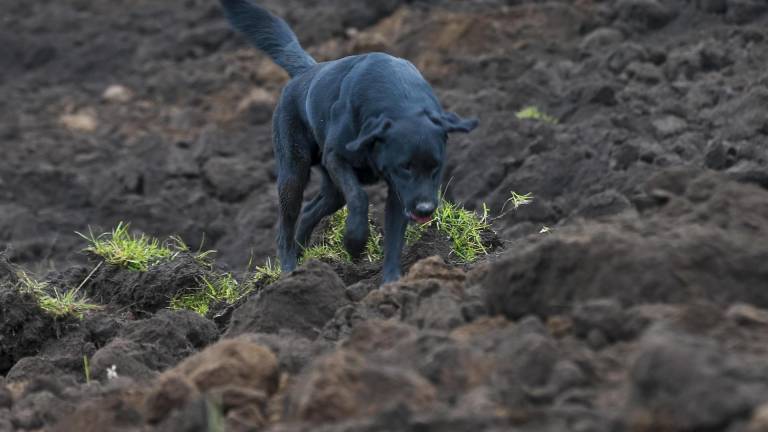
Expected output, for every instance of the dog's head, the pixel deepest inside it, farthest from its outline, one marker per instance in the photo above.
(409, 152)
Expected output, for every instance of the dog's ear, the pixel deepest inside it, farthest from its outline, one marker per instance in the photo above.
(452, 122)
(372, 129)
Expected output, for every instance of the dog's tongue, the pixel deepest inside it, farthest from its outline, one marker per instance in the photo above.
(421, 219)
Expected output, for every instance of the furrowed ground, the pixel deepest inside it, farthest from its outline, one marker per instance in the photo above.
(628, 294)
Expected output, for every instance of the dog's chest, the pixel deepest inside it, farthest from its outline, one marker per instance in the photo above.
(366, 175)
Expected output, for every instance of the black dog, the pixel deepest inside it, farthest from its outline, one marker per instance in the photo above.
(361, 119)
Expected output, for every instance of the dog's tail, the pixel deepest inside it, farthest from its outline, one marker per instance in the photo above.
(270, 34)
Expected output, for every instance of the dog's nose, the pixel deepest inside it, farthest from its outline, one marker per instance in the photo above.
(425, 208)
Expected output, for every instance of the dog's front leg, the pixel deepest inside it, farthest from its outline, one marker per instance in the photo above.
(356, 233)
(394, 236)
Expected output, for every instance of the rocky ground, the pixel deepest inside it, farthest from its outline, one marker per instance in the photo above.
(644, 308)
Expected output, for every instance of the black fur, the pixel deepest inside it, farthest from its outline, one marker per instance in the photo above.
(270, 33)
(360, 119)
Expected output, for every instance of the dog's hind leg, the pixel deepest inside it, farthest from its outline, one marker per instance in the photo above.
(293, 166)
(327, 202)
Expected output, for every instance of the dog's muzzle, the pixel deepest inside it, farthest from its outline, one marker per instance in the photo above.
(423, 212)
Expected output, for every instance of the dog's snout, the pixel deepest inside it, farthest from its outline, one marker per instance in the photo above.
(425, 208)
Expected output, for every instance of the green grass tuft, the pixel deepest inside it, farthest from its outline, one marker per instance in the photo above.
(203, 257)
(67, 304)
(131, 251)
(86, 370)
(267, 274)
(215, 416)
(464, 228)
(138, 251)
(222, 289)
(28, 284)
(414, 232)
(332, 245)
(533, 113)
(517, 201)
(58, 305)
(323, 252)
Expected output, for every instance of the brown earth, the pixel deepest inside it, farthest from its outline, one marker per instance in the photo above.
(643, 308)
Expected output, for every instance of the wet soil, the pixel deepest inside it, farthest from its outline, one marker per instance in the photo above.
(628, 296)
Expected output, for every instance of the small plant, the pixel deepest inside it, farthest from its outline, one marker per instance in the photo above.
(203, 257)
(373, 250)
(87, 370)
(268, 273)
(325, 251)
(66, 304)
(223, 289)
(56, 304)
(138, 252)
(518, 200)
(464, 228)
(414, 232)
(28, 284)
(215, 416)
(134, 252)
(533, 113)
(332, 245)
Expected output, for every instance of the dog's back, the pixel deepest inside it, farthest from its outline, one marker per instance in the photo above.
(371, 84)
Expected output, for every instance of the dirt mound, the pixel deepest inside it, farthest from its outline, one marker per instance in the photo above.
(704, 241)
(301, 302)
(24, 327)
(48, 388)
(240, 375)
(599, 363)
(146, 292)
(142, 348)
(431, 295)
(235, 376)
(673, 368)
(345, 386)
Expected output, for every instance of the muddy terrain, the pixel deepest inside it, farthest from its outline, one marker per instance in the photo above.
(631, 294)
